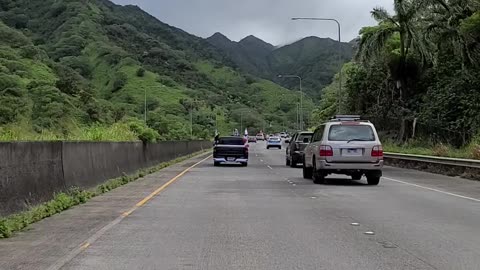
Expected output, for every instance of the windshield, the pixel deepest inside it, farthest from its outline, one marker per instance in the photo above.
(351, 132)
(302, 137)
(231, 141)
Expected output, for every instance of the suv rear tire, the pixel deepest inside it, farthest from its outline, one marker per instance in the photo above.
(373, 177)
(216, 164)
(317, 176)
(287, 162)
(307, 172)
(373, 180)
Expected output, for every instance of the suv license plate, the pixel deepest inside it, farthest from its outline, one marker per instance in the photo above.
(230, 159)
(352, 152)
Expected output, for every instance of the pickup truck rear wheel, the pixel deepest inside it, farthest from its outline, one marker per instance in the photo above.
(293, 162)
(244, 164)
(216, 164)
(287, 161)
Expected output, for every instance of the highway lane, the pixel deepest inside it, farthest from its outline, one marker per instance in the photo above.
(266, 216)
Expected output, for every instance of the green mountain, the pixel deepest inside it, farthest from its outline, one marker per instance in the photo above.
(249, 54)
(71, 66)
(315, 59)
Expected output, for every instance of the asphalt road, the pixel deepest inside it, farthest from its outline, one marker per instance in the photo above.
(266, 216)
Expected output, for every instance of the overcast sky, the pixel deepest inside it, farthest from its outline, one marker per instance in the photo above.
(266, 19)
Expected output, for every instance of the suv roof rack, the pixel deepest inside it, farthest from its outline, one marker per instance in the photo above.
(343, 117)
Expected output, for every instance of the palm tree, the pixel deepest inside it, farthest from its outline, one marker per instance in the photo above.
(443, 20)
(404, 25)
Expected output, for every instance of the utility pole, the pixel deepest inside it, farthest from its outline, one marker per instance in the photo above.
(241, 122)
(145, 107)
(191, 123)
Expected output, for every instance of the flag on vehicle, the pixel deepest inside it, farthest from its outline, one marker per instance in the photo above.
(246, 132)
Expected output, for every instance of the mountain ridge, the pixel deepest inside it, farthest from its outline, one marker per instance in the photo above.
(315, 59)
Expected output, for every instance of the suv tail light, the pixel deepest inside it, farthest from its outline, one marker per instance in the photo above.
(377, 151)
(326, 151)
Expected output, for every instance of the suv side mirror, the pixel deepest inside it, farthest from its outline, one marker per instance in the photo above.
(306, 140)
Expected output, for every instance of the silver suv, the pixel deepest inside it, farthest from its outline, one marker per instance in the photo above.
(344, 145)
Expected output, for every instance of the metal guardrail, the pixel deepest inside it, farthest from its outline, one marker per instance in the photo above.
(459, 162)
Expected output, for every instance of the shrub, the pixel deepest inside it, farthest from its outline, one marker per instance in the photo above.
(140, 72)
(120, 81)
(440, 150)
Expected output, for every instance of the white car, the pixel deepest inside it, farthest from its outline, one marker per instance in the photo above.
(344, 145)
(274, 142)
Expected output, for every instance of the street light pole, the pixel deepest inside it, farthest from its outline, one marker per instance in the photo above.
(339, 53)
(301, 96)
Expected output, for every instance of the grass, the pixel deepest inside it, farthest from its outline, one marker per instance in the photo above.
(74, 196)
(22, 131)
(471, 151)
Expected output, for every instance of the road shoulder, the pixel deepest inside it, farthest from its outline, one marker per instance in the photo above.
(49, 240)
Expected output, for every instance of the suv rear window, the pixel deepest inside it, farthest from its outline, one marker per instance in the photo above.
(301, 137)
(231, 141)
(352, 132)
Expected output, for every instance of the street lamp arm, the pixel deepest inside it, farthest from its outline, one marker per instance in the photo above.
(339, 50)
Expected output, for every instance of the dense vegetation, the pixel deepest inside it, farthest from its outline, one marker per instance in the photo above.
(315, 59)
(416, 75)
(80, 69)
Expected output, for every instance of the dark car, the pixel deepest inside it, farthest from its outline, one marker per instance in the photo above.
(295, 148)
(230, 150)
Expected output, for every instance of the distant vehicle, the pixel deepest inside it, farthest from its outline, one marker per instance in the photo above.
(230, 149)
(252, 139)
(260, 137)
(274, 142)
(283, 134)
(296, 146)
(344, 145)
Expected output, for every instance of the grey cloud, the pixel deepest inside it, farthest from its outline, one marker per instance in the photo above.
(266, 19)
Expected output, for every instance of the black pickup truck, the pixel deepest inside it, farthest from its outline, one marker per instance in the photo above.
(230, 150)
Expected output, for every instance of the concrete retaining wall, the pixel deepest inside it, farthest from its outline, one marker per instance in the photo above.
(32, 172)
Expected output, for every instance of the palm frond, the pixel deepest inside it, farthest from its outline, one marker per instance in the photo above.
(372, 42)
(380, 14)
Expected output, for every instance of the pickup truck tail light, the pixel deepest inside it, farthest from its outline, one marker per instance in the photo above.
(377, 151)
(245, 150)
(326, 151)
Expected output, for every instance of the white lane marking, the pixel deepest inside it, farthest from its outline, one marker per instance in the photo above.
(369, 233)
(294, 184)
(261, 160)
(269, 167)
(433, 189)
(355, 224)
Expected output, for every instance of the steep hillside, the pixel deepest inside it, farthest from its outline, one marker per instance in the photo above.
(315, 59)
(249, 54)
(71, 65)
